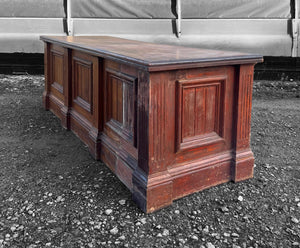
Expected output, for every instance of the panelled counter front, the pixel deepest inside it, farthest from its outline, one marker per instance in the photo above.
(167, 120)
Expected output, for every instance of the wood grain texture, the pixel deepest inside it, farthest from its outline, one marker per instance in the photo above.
(200, 111)
(243, 159)
(67, 86)
(156, 57)
(168, 121)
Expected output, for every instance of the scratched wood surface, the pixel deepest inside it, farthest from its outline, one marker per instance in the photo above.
(149, 54)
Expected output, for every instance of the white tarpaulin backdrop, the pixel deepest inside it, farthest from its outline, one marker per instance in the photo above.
(190, 9)
(260, 26)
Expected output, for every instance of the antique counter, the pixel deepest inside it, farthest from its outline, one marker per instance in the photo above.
(167, 120)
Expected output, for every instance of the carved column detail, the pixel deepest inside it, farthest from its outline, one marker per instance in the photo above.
(243, 159)
(67, 81)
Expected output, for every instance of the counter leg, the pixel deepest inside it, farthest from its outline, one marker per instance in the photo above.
(152, 184)
(67, 81)
(243, 159)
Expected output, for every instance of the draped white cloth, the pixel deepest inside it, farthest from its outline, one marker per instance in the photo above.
(148, 9)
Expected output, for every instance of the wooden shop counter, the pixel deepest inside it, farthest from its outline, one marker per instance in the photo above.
(167, 120)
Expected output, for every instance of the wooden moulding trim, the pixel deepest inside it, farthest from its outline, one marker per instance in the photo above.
(83, 104)
(242, 165)
(242, 154)
(81, 120)
(210, 63)
(121, 75)
(115, 125)
(120, 153)
(120, 163)
(120, 130)
(58, 87)
(204, 139)
(158, 179)
(162, 65)
(200, 140)
(53, 99)
(180, 170)
(94, 134)
(221, 168)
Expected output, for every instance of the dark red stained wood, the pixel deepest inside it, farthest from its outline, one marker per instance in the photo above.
(57, 69)
(200, 104)
(210, 110)
(188, 113)
(167, 120)
(67, 85)
(243, 158)
(154, 56)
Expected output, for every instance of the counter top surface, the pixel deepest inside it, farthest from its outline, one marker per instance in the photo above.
(150, 54)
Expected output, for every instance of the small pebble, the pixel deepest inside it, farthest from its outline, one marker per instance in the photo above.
(143, 220)
(114, 231)
(206, 229)
(194, 237)
(181, 241)
(210, 245)
(240, 198)
(177, 211)
(108, 211)
(122, 202)
(224, 209)
(166, 232)
(59, 199)
(122, 237)
(295, 220)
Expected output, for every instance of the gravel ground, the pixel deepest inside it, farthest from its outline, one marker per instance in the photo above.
(53, 194)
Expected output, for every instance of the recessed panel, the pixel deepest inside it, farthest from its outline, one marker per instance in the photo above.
(57, 69)
(199, 115)
(83, 83)
(121, 104)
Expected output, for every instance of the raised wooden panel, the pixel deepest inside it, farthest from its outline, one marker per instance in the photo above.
(83, 83)
(84, 69)
(57, 71)
(121, 113)
(199, 112)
